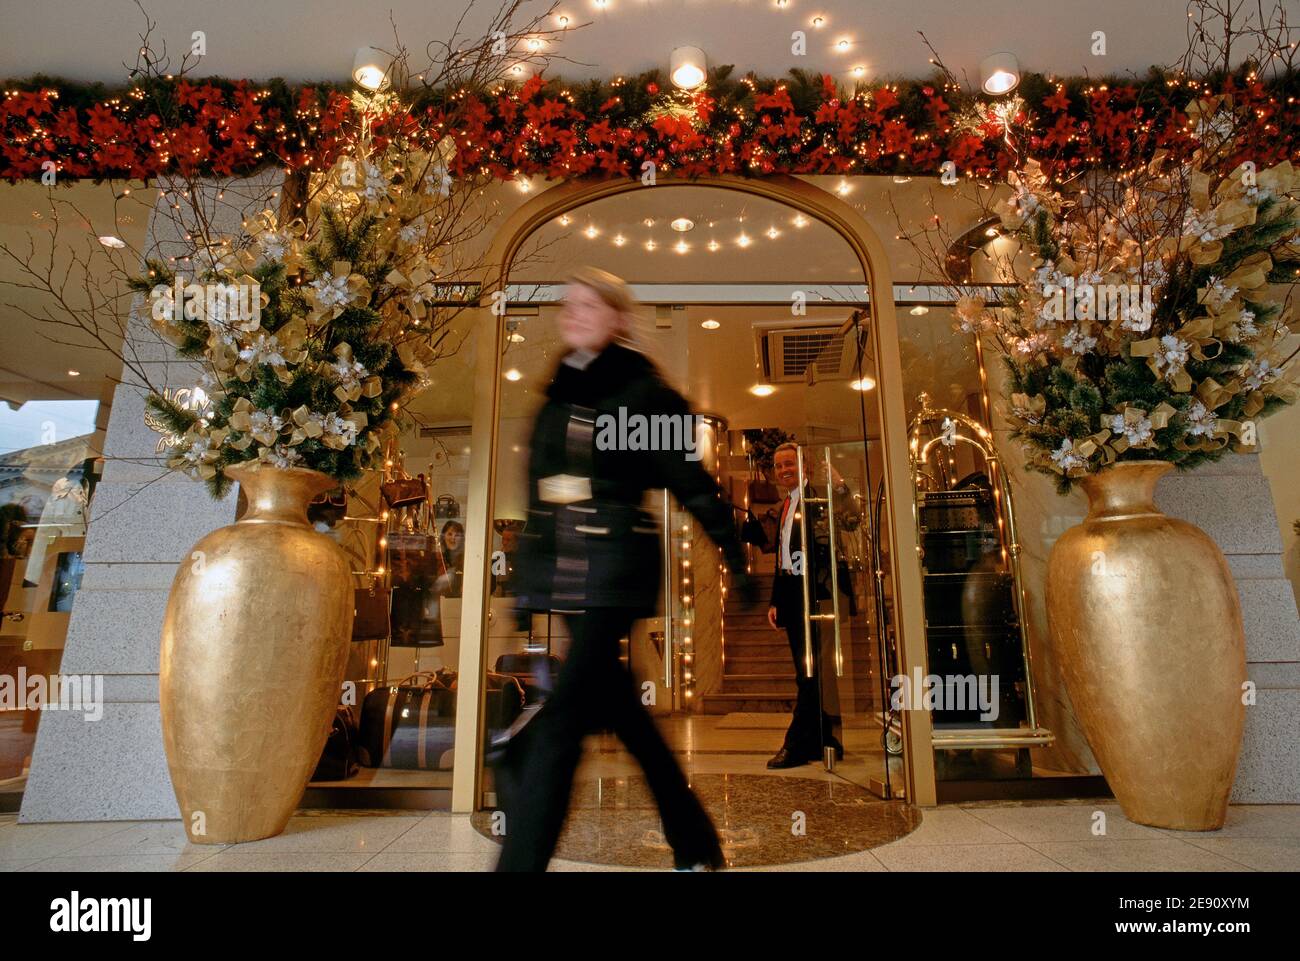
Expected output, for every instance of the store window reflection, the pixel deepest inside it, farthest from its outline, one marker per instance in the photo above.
(48, 472)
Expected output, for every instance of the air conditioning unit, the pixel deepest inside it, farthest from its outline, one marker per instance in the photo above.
(788, 353)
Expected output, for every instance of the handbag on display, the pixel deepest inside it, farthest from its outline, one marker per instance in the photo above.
(446, 506)
(329, 507)
(370, 621)
(404, 491)
(338, 761)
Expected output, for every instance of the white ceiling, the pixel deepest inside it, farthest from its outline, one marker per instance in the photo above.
(317, 40)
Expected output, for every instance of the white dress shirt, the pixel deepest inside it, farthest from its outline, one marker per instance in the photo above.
(787, 562)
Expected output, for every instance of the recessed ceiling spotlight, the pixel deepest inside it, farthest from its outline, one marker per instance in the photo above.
(562, 20)
(902, 179)
(864, 383)
(773, 233)
(116, 243)
(859, 71)
(649, 221)
(74, 373)
(534, 43)
(513, 374)
(591, 232)
(999, 73)
(842, 45)
(687, 67)
(714, 245)
(819, 22)
(762, 390)
(743, 240)
(681, 225)
(650, 245)
(843, 189)
(515, 337)
(565, 220)
(710, 324)
(681, 246)
(619, 240)
(920, 310)
(800, 221)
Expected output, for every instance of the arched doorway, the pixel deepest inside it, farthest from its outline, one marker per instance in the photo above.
(489, 340)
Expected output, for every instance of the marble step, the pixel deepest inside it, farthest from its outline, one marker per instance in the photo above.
(768, 703)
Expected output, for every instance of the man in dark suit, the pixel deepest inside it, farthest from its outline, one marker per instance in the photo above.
(816, 711)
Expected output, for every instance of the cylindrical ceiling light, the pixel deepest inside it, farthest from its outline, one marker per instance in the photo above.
(687, 67)
(999, 73)
(370, 68)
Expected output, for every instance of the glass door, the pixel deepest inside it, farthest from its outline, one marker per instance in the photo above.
(848, 641)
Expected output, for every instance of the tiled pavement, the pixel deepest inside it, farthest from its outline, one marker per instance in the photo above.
(1031, 836)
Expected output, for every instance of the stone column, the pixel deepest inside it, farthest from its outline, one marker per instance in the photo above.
(143, 523)
(1231, 502)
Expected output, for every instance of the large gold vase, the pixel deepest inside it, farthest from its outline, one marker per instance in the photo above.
(254, 647)
(1146, 616)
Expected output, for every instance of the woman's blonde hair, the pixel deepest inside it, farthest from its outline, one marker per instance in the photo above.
(615, 293)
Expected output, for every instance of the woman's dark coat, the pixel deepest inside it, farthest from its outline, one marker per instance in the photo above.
(605, 551)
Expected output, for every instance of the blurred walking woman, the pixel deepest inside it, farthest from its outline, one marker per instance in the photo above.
(590, 551)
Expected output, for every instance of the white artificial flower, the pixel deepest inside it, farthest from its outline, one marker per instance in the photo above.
(264, 349)
(274, 246)
(262, 421)
(194, 453)
(1201, 421)
(1066, 457)
(1137, 432)
(1077, 342)
(350, 373)
(1260, 372)
(1033, 344)
(1204, 227)
(1217, 293)
(438, 181)
(1171, 356)
(376, 182)
(336, 426)
(331, 291)
(1244, 329)
(282, 456)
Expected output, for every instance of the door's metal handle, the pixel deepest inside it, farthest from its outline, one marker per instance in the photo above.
(835, 566)
(670, 584)
(805, 569)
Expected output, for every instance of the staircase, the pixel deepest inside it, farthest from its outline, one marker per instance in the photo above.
(758, 674)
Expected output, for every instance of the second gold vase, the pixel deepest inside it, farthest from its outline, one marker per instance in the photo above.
(1146, 617)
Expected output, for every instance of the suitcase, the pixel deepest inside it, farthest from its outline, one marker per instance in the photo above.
(412, 725)
(535, 672)
(338, 761)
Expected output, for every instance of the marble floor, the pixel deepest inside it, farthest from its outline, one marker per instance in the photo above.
(802, 819)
